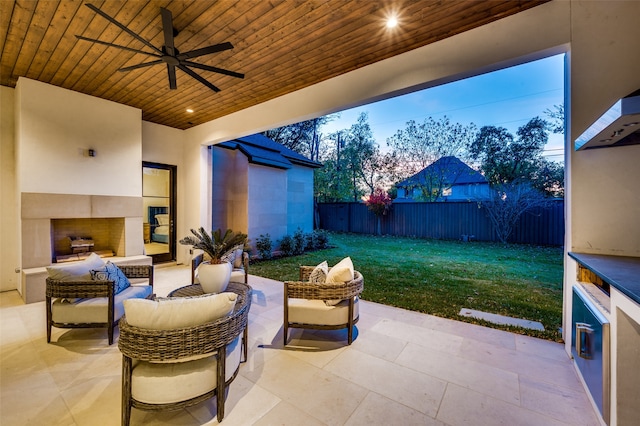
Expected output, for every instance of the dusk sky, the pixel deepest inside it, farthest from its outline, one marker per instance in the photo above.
(507, 98)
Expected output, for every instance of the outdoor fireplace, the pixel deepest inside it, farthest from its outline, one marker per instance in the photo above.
(75, 239)
(114, 224)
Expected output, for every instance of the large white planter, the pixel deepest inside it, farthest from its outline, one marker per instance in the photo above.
(214, 278)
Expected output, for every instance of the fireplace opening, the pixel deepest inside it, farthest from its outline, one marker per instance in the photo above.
(76, 239)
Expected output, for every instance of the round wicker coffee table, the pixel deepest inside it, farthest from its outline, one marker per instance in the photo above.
(241, 289)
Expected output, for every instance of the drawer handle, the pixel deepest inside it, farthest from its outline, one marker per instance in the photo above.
(584, 334)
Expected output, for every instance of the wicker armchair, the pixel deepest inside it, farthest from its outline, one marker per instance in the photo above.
(214, 346)
(92, 304)
(305, 307)
(240, 272)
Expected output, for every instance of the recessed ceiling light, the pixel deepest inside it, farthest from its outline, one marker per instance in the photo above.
(190, 111)
(392, 21)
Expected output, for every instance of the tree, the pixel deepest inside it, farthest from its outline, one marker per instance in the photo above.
(419, 145)
(379, 202)
(362, 157)
(520, 178)
(556, 115)
(508, 202)
(353, 165)
(303, 137)
(505, 159)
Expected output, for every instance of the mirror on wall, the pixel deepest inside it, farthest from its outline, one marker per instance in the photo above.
(158, 199)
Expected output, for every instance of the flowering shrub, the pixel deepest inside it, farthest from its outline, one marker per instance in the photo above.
(379, 202)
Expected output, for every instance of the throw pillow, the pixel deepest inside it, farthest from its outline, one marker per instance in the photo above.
(111, 272)
(230, 256)
(76, 271)
(178, 312)
(342, 272)
(237, 262)
(319, 273)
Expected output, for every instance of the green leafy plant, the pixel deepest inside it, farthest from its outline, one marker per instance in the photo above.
(214, 244)
(298, 241)
(264, 246)
(287, 245)
(310, 242)
(321, 239)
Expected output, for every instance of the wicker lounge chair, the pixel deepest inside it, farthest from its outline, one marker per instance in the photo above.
(92, 304)
(204, 357)
(305, 307)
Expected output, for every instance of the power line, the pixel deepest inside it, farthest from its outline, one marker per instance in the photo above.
(473, 106)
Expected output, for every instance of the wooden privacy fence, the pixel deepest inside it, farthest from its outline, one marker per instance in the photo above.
(446, 221)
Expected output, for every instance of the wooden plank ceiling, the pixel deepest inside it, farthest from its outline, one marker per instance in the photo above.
(280, 45)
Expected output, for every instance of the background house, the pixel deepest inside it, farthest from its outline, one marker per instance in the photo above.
(446, 179)
(259, 187)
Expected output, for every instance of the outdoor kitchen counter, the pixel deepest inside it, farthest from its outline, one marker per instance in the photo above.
(620, 272)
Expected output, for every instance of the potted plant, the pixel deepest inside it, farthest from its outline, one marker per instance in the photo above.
(215, 273)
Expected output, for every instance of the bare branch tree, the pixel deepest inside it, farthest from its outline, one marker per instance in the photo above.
(508, 202)
(419, 145)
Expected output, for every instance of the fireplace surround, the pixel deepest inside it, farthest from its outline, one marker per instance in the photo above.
(116, 220)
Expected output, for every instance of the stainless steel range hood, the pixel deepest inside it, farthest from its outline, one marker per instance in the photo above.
(619, 126)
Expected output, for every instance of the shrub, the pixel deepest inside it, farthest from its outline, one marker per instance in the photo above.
(378, 202)
(298, 241)
(287, 245)
(321, 238)
(310, 242)
(263, 245)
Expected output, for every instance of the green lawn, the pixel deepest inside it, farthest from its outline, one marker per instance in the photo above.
(441, 277)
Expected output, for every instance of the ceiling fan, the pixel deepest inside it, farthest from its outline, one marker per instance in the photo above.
(168, 54)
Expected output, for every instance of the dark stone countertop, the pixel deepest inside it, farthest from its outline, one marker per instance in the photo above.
(621, 272)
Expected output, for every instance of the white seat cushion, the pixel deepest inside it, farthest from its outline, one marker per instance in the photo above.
(162, 383)
(237, 275)
(305, 311)
(95, 310)
(179, 312)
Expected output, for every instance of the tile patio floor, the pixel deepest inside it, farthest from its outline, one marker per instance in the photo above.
(404, 368)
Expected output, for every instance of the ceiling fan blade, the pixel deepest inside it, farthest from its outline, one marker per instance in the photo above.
(199, 78)
(142, 65)
(122, 27)
(92, 40)
(213, 69)
(171, 69)
(206, 50)
(167, 27)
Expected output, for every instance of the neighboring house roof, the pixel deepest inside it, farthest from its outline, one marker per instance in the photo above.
(453, 171)
(259, 149)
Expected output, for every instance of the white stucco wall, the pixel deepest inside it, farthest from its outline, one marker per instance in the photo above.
(165, 145)
(299, 199)
(605, 200)
(10, 247)
(267, 202)
(229, 190)
(55, 129)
